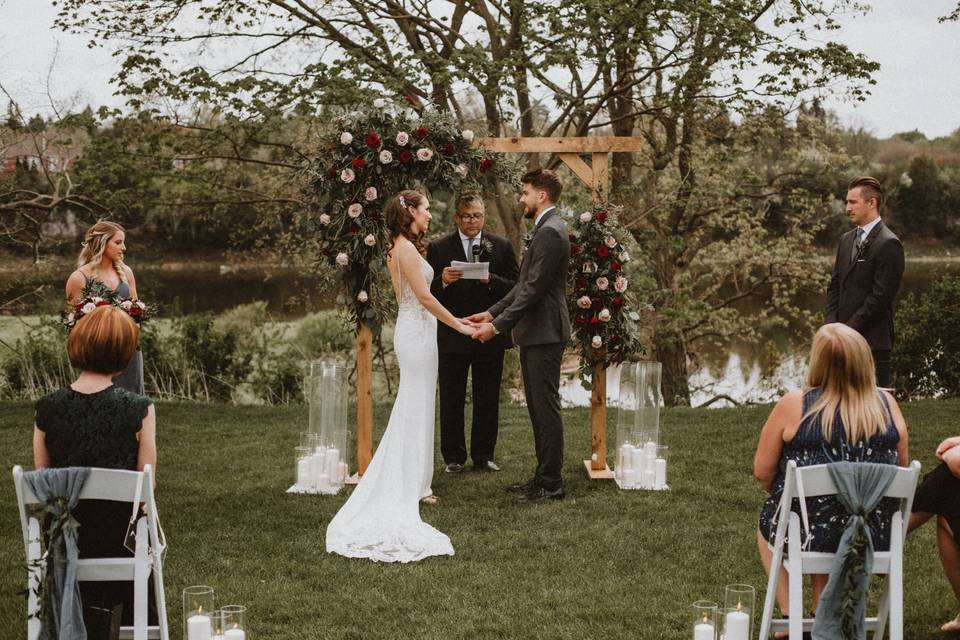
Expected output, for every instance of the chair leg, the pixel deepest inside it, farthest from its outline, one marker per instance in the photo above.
(34, 575)
(161, 601)
(140, 573)
(771, 597)
(795, 577)
(895, 579)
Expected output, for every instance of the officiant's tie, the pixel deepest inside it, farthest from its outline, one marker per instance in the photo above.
(470, 256)
(856, 245)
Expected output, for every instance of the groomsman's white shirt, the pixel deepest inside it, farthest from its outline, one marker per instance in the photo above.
(867, 228)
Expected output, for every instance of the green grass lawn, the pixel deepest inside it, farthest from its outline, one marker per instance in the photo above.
(601, 564)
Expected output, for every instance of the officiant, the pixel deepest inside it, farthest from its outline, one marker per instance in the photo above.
(458, 354)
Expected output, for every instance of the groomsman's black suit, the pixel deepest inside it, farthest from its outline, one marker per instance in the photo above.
(460, 353)
(864, 284)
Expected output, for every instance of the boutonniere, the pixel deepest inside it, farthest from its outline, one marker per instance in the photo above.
(526, 239)
(862, 249)
(487, 245)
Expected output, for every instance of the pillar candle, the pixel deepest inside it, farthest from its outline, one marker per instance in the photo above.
(625, 456)
(303, 473)
(737, 626)
(343, 471)
(637, 461)
(660, 479)
(629, 478)
(316, 469)
(332, 464)
(648, 477)
(234, 634)
(703, 631)
(650, 449)
(199, 627)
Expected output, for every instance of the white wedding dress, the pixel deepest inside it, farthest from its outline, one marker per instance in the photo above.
(381, 519)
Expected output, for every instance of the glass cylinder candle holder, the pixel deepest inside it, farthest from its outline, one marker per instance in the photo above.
(217, 621)
(303, 457)
(198, 613)
(705, 620)
(649, 399)
(738, 604)
(234, 622)
(660, 467)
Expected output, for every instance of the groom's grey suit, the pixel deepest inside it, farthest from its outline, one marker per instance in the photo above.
(535, 311)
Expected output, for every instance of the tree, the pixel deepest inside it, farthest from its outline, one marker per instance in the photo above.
(658, 69)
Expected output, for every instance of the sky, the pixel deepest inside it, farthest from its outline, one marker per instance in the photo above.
(918, 85)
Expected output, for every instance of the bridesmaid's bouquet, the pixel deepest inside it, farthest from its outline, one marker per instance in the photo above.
(102, 296)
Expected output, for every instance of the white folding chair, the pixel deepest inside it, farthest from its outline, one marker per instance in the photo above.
(814, 481)
(120, 486)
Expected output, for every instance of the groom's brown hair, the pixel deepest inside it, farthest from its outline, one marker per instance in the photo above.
(544, 180)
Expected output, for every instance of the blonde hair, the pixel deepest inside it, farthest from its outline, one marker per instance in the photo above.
(95, 243)
(103, 340)
(841, 366)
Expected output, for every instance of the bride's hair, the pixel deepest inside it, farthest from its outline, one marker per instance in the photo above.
(399, 218)
(95, 242)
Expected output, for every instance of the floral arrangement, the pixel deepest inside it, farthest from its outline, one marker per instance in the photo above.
(366, 158)
(605, 322)
(97, 294)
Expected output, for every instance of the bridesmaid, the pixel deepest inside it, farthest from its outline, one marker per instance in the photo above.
(101, 259)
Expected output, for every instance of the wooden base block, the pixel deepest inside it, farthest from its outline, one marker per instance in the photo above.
(598, 474)
(352, 480)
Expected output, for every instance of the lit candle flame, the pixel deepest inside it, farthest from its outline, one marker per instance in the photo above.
(739, 605)
(705, 618)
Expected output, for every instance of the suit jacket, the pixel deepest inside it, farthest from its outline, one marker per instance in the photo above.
(536, 308)
(862, 291)
(466, 297)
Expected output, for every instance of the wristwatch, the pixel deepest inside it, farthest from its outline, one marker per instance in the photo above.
(496, 331)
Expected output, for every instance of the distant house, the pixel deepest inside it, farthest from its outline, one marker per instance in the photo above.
(54, 149)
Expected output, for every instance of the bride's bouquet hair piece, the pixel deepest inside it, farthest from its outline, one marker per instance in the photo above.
(399, 218)
(95, 243)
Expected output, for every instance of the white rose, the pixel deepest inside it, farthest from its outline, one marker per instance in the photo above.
(370, 240)
(586, 217)
(602, 283)
(379, 103)
(346, 137)
(467, 135)
(342, 259)
(403, 138)
(610, 241)
(604, 315)
(87, 308)
(362, 296)
(620, 284)
(424, 154)
(624, 257)
(70, 318)
(370, 194)
(596, 342)
(386, 157)
(324, 218)
(141, 305)
(126, 304)
(347, 175)
(412, 116)
(584, 302)
(460, 170)
(355, 210)
(96, 299)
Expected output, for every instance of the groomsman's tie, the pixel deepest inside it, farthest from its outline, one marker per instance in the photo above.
(856, 245)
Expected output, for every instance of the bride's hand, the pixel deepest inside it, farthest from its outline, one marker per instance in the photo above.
(465, 329)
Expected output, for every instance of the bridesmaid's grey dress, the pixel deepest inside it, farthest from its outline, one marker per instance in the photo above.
(131, 378)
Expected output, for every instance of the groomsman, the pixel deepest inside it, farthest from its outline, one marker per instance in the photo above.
(460, 354)
(867, 274)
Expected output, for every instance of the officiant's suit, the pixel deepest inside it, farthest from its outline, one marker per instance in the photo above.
(865, 281)
(459, 354)
(535, 311)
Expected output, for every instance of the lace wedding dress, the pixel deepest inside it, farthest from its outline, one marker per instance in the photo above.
(381, 519)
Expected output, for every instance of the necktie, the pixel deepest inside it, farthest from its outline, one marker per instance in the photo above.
(856, 245)
(470, 256)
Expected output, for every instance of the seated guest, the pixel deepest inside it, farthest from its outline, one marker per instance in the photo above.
(839, 416)
(94, 423)
(939, 494)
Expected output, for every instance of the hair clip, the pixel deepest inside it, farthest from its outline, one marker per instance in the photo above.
(403, 202)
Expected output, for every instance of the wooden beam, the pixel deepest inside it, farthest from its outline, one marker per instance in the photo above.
(598, 419)
(608, 144)
(580, 168)
(364, 398)
(600, 178)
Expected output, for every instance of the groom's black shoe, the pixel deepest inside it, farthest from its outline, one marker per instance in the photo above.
(539, 494)
(525, 487)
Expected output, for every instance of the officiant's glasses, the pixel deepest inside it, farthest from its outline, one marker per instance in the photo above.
(467, 217)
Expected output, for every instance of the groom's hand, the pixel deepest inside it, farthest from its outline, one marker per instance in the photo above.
(484, 332)
(479, 318)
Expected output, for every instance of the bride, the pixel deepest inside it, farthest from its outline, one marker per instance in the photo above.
(381, 519)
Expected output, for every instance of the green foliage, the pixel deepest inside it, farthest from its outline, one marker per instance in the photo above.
(926, 355)
(323, 333)
(36, 363)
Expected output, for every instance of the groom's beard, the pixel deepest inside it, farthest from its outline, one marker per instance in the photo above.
(529, 213)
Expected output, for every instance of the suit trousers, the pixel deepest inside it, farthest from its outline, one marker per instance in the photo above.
(487, 367)
(881, 361)
(540, 366)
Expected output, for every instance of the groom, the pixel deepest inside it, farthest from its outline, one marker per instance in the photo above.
(536, 311)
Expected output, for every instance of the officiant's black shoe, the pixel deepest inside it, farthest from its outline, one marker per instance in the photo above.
(525, 487)
(454, 467)
(489, 465)
(539, 494)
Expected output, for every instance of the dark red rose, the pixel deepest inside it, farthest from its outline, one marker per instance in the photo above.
(597, 303)
(135, 310)
(615, 265)
(571, 237)
(103, 303)
(603, 251)
(601, 215)
(574, 249)
(594, 320)
(449, 148)
(372, 140)
(485, 164)
(359, 163)
(421, 133)
(581, 320)
(617, 301)
(332, 172)
(405, 157)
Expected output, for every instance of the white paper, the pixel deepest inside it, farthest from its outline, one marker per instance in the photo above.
(472, 270)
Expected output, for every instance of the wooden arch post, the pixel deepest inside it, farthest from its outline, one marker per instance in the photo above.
(595, 175)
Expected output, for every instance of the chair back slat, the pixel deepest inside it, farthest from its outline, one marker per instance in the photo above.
(102, 484)
(817, 481)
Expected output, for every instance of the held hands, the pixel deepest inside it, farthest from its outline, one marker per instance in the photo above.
(947, 445)
(480, 326)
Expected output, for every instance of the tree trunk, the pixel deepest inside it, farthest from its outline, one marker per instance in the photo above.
(671, 352)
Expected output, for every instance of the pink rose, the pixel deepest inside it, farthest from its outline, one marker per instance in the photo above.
(355, 210)
(370, 194)
(347, 175)
(596, 342)
(342, 259)
(604, 315)
(602, 283)
(620, 284)
(424, 154)
(324, 219)
(610, 241)
(370, 240)
(584, 302)
(403, 138)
